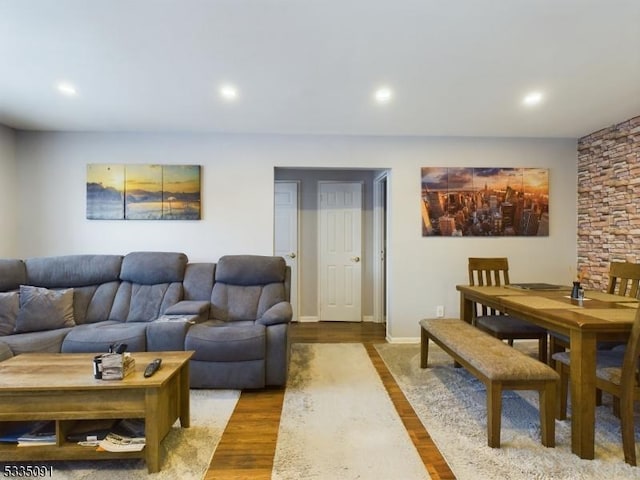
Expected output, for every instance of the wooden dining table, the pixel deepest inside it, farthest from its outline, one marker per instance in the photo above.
(599, 317)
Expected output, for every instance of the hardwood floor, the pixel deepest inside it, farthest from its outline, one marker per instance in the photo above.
(248, 444)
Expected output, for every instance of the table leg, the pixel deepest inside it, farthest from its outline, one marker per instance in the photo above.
(583, 392)
(424, 348)
(466, 309)
(152, 430)
(185, 411)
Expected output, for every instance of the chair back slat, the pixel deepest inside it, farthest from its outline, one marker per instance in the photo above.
(624, 279)
(488, 272)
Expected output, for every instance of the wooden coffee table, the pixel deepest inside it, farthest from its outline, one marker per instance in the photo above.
(61, 387)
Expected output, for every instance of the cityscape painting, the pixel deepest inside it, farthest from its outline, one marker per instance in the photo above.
(484, 202)
(143, 192)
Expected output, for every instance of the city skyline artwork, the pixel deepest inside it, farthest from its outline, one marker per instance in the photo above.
(489, 201)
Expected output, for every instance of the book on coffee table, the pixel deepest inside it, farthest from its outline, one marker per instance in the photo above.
(119, 443)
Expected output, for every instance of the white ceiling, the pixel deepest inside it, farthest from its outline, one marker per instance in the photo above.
(457, 67)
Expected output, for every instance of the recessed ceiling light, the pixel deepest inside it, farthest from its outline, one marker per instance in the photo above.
(66, 88)
(383, 95)
(532, 98)
(228, 92)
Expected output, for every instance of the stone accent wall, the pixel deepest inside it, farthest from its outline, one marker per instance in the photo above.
(608, 200)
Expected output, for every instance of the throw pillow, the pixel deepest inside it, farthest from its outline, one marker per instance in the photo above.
(9, 305)
(44, 309)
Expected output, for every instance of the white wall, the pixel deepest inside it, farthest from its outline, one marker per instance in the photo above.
(237, 195)
(8, 204)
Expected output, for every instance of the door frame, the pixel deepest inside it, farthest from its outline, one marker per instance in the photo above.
(380, 243)
(319, 240)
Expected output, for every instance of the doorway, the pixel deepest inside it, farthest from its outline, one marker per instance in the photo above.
(372, 263)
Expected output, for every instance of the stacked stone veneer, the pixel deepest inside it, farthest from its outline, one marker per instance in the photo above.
(608, 200)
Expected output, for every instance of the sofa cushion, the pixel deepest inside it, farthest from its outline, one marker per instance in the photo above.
(12, 274)
(218, 342)
(44, 309)
(143, 303)
(247, 286)
(49, 341)
(96, 337)
(236, 302)
(9, 304)
(150, 268)
(198, 281)
(72, 270)
(93, 303)
(250, 269)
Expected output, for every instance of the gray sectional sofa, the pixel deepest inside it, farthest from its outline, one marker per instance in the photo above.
(234, 314)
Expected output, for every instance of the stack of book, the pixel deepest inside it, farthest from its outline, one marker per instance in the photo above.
(126, 436)
(30, 434)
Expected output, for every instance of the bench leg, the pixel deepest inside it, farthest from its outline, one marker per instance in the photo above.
(424, 348)
(547, 400)
(494, 413)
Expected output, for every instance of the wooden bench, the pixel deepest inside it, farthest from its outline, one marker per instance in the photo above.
(499, 366)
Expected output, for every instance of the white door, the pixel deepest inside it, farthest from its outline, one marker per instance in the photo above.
(286, 233)
(340, 245)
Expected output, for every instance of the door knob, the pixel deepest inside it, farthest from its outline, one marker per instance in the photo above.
(355, 259)
(292, 255)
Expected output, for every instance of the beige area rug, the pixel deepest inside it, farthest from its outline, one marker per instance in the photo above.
(186, 452)
(452, 405)
(338, 421)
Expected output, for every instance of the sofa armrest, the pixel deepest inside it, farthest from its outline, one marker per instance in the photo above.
(278, 313)
(190, 308)
(168, 335)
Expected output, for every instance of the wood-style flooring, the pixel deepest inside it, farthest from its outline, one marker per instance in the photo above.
(248, 444)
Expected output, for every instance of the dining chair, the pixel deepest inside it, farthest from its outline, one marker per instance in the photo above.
(495, 272)
(624, 280)
(617, 374)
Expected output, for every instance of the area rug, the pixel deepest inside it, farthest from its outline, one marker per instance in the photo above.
(338, 421)
(452, 405)
(186, 452)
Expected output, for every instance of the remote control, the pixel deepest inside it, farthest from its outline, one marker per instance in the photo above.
(152, 367)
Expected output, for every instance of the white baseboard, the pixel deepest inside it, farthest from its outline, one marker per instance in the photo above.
(403, 339)
(307, 319)
(310, 318)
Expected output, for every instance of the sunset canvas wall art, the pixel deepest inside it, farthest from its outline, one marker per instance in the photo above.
(105, 192)
(143, 192)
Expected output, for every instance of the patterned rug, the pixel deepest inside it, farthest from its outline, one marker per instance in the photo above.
(452, 405)
(186, 452)
(338, 421)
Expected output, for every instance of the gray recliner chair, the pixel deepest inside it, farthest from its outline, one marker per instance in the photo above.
(245, 342)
